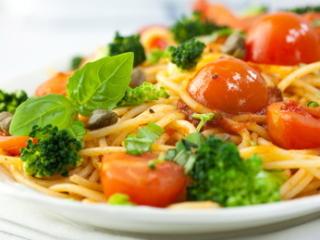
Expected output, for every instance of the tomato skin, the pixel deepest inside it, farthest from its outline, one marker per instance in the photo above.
(55, 85)
(127, 174)
(229, 85)
(292, 127)
(282, 39)
(12, 145)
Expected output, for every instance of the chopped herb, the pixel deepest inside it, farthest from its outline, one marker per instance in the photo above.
(142, 141)
(204, 118)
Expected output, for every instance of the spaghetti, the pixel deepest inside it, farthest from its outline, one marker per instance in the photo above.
(247, 130)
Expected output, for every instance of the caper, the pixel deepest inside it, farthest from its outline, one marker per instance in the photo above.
(101, 118)
(5, 121)
(235, 45)
(137, 77)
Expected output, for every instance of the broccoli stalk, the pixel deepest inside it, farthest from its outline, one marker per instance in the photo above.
(52, 151)
(131, 43)
(186, 55)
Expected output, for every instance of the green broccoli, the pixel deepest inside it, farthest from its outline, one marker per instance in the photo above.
(187, 28)
(146, 92)
(304, 9)
(130, 43)
(219, 174)
(185, 56)
(10, 101)
(76, 62)
(53, 151)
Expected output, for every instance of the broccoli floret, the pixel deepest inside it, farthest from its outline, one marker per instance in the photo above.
(187, 28)
(130, 43)
(10, 101)
(185, 56)
(219, 174)
(304, 9)
(76, 62)
(52, 151)
(146, 92)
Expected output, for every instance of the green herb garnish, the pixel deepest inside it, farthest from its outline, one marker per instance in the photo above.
(142, 141)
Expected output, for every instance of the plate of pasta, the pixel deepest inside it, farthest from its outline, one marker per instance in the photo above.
(210, 124)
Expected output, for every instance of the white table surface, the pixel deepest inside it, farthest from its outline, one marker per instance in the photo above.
(32, 39)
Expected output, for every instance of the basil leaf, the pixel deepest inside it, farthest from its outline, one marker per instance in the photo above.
(143, 140)
(101, 84)
(42, 111)
(77, 130)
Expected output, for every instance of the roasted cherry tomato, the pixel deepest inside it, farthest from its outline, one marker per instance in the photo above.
(131, 175)
(282, 39)
(55, 85)
(229, 85)
(292, 126)
(12, 145)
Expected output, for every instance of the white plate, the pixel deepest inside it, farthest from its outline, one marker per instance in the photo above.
(152, 220)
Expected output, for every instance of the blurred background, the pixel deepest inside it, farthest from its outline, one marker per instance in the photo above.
(37, 33)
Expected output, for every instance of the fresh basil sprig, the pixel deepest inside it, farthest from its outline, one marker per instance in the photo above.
(101, 84)
(98, 85)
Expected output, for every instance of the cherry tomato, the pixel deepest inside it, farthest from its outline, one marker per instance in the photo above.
(55, 85)
(291, 126)
(13, 144)
(131, 175)
(282, 39)
(156, 37)
(311, 17)
(229, 85)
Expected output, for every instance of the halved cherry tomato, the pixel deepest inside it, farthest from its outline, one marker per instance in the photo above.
(229, 85)
(55, 85)
(291, 126)
(159, 187)
(12, 145)
(283, 39)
